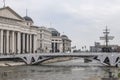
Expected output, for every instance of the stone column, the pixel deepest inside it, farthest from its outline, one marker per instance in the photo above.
(1, 42)
(30, 43)
(60, 47)
(23, 43)
(18, 42)
(7, 43)
(27, 43)
(54, 47)
(34, 43)
(13, 42)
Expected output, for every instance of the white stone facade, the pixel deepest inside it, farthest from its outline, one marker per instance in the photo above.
(15, 35)
(44, 40)
(66, 42)
(60, 43)
(18, 35)
(56, 44)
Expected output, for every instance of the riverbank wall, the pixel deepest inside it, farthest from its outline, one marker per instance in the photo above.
(13, 63)
(10, 63)
(58, 59)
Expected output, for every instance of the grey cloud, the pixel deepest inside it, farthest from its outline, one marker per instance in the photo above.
(82, 20)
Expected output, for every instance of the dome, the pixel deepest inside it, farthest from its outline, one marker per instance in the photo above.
(54, 32)
(64, 36)
(28, 18)
(52, 29)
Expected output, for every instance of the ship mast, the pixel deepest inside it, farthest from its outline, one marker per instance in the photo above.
(106, 36)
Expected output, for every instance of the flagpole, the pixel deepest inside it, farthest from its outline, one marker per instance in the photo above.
(4, 3)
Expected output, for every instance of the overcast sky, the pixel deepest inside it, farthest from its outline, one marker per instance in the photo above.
(81, 20)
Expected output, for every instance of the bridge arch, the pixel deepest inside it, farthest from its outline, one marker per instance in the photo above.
(107, 60)
(31, 60)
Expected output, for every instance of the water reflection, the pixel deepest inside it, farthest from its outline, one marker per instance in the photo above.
(55, 73)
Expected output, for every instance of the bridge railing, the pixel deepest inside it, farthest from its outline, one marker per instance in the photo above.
(81, 53)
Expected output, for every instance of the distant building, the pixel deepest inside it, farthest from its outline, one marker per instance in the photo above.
(99, 48)
(60, 43)
(56, 41)
(96, 48)
(66, 43)
(44, 40)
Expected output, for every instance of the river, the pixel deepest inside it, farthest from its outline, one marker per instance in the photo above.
(56, 71)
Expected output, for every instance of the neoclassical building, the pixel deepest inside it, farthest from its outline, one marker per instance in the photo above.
(19, 35)
(56, 41)
(60, 43)
(16, 33)
(43, 39)
(66, 42)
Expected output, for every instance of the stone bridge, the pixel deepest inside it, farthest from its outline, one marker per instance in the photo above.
(110, 59)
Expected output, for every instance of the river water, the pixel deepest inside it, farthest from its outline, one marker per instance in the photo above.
(63, 71)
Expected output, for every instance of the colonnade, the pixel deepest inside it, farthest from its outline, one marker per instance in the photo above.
(56, 47)
(14, 42)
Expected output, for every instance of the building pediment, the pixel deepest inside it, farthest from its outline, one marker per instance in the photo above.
(7, 12)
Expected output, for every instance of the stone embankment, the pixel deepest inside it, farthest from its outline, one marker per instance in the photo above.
(94, 78)
(12, 63)
(58, 59)
(99, 78)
